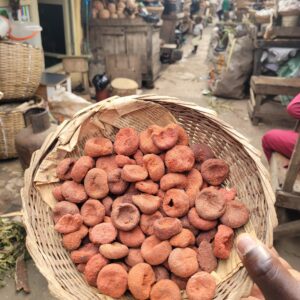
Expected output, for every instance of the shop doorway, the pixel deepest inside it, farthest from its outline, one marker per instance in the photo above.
(55, 19)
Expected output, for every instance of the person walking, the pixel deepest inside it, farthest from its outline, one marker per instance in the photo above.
(225, 9)
(213, 8)
(220, 9)
(197, 33)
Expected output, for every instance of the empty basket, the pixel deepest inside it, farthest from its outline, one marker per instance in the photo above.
(21, 68)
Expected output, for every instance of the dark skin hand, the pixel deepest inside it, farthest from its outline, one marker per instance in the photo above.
(272, 275)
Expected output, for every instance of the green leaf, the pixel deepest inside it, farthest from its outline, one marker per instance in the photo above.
(12, 245)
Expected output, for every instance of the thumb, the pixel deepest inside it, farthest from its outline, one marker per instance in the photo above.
(274, 280)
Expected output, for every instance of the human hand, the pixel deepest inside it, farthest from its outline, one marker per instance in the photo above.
(274, 277)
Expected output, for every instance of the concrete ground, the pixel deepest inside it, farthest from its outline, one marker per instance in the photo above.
(186, 80)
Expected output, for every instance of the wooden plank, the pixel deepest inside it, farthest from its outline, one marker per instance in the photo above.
(282, 215)
(267, 85)
(280, 81)
(281, 43)
(118, 22)
(21, 275)
(140, 29)
(136, 44)
(128, 66)
(113, 44)
(257, 65)
(75, 64)
(252, 97)
(272, 110)
(278, 169)
(297, 126)
(257, 105)
(250, 106)
(284, 32)
(127, 37)
(287, 200)
(278, 116)
(149, 50)
(156, 54)
(293, 169)
(289, 13)
(254, 119)
(112, 30)
(287, 230)
(274, 115)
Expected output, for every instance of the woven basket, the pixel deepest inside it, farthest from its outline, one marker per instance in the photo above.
(156, 10)
(11, 122)
(263, 19)
(21, 68)
(105, 118)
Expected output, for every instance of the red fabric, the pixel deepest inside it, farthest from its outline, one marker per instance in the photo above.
(294, 107)
(282, 141)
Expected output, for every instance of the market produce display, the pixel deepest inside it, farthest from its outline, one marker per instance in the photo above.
(147, 213)
(114, 10)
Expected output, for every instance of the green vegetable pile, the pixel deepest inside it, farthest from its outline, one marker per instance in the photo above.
(12, 245)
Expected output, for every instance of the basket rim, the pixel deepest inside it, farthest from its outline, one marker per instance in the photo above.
(19, 44)
(39, 155)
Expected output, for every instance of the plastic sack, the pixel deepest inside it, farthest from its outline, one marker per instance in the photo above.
(100, 82)
(273, 58)
(280, 55)
(290, 69)
(288, 5)
(238, 67)
(63, 105)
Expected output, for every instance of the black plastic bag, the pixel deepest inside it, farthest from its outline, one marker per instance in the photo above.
(100, 81)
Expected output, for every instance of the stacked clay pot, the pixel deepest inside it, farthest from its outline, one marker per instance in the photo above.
(119, 9)
(147, 213)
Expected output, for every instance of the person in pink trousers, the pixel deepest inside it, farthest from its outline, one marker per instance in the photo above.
(282, 141)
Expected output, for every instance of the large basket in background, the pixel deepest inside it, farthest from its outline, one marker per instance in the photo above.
(12, 120)
(263, 19)
(105, 118)
(21, 68)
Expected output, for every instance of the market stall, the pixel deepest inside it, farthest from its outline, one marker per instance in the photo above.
(26, 90)
(277, 45)
(264, 43)
(126, 36)
(132, 195)
(131, 46)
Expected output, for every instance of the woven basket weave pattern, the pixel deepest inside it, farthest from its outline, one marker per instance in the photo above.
(11, 122)
(247, 174)
(10, 125)
(21, 68)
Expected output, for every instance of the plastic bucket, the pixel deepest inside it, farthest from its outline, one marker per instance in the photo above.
(290, 21)
(4, 27)
(25, 32)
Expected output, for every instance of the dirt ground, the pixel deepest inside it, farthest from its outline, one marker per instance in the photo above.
(186, 79)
